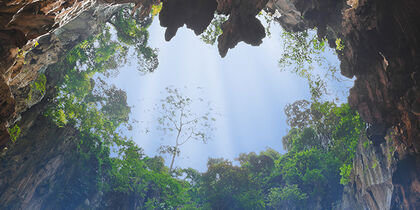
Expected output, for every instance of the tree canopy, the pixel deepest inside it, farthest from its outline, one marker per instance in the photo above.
(321, 142)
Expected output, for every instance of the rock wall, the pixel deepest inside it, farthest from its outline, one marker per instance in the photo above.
(22, 22)
(44, 170)
(242, 24)
(371, 185)
(38, 161)
(382, 51)
(22, 63)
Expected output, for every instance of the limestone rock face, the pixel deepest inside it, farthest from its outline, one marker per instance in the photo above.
(195, 14)
(371, 185)
(242, 24)
(21, 23)
(31, 167)
(44, 170)
(382, 50)
(75, 23)
(291, 19)
(384, 176)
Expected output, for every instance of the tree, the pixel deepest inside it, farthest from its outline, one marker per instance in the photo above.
(304, 53)
(177, 117)
(209, 36)
(334, 129)
(133, 32)
(286, 197)
(89, 103)
(226, 186)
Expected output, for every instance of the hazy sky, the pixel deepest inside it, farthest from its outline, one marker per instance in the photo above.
(246, 88)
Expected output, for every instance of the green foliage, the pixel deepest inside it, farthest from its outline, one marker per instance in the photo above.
(91, 105)
(286, 197)
(40, 83)
(14, 133)
(339, 44)
(177, 118)
(321, 144)
(345, 171)
(209, 36)
(146, 178)
(38, 86)
(303, 54)
(314, 171)
(225, 186)
(268, 20)
(366, 144)
(390, 153)
(156, 9)
(374, 164)
(132, 32)
(98, 111)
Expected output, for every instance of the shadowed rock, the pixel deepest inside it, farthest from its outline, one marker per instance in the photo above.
(195, 14)
(242, 24)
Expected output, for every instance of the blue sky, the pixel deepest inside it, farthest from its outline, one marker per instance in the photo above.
(246, 88)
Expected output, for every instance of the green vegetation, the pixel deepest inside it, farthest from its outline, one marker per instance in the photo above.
(374, 164)
(303, 54)
(156, 9)
(209, 36)
(339, 44)
(321, 146)
(214, 30)
(366, 144)
(99, 111)
(37, 87)
(40, 83)
(176, 117)
(14, 133)
(321, 142)
(345, 171)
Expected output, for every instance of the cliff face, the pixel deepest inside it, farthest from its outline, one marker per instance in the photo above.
(36, 163)
(45, 170)
(371, 185)
(69, 25)
(21, 24)
(382, 52)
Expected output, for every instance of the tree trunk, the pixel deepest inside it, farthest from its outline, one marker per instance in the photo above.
(173, 159)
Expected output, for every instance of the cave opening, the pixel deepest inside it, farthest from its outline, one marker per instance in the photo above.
(127, 106)
(248, 91)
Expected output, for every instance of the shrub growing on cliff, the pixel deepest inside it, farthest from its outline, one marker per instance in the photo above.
(345, 171)
(14, 133)
(37, 87)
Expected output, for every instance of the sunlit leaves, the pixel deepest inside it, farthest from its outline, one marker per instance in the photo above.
(14, 132)
(177, 118)
(334, 129)
(156, 9)
(133, 33)
(287, 197)
(303, 54)
(209, 36)
(345, 171)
